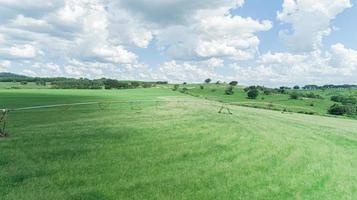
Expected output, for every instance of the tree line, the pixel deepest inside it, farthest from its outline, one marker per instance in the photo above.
(80, 83)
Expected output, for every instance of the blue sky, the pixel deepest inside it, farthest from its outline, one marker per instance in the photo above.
(281, 42)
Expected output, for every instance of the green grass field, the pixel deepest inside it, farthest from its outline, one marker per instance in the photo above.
(170, 150)
(273, 101)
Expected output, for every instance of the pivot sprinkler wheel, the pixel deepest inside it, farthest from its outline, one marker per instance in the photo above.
(3, 117)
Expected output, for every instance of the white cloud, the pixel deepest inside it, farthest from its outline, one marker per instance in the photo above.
(337, 66)
(309, 20)
(115, 54)
(193, 71)
(175, 12)
(5, 65)
(219, 35)
(26, 51)
(344, 59)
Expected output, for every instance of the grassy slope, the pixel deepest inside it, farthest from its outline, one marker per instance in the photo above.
(174, 151)
(279, 101)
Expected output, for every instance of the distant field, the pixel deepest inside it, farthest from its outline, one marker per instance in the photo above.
(171, 150)
(274, 101)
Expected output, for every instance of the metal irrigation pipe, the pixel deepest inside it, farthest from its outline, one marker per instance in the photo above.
(5, 112)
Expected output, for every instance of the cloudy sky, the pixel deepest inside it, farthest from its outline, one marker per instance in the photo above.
(277, 42)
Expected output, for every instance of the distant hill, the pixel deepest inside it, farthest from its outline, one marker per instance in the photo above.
(11, 75)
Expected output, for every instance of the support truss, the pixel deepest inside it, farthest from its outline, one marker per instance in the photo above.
(3, 118)
(225, 107)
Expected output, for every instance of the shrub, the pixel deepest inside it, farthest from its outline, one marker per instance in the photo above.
(337, 109)
(349, 100)
(267, 92)
(294, 95)
(184, 90)
(134, 84)
(176, 87)
(350, 109)
(229, 90)
(312, 96)
(344, 100)
(147, 85)
(338, 98)
(282, 91)
(202, 87)
(253, 94)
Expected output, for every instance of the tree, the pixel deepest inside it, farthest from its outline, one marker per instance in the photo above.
(229, 90)
(208, 80)
(233, 83)
(296, 87)
(253, 93)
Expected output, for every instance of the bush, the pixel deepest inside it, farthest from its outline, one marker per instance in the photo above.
(312, 96)
(344, 100)
(184, 90)
(176, 87)
(267, 92)
(229, 90)
(202, 87)
(147, 85)
(253, 94)
(338, 98)
(294, 95)
(349, 100)
(134, 84)
(350, 109)
(337, 109)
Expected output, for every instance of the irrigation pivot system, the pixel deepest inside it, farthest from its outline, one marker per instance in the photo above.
(134, 105)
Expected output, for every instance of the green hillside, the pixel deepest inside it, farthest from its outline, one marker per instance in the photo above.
(170, 150)
(273, 101)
